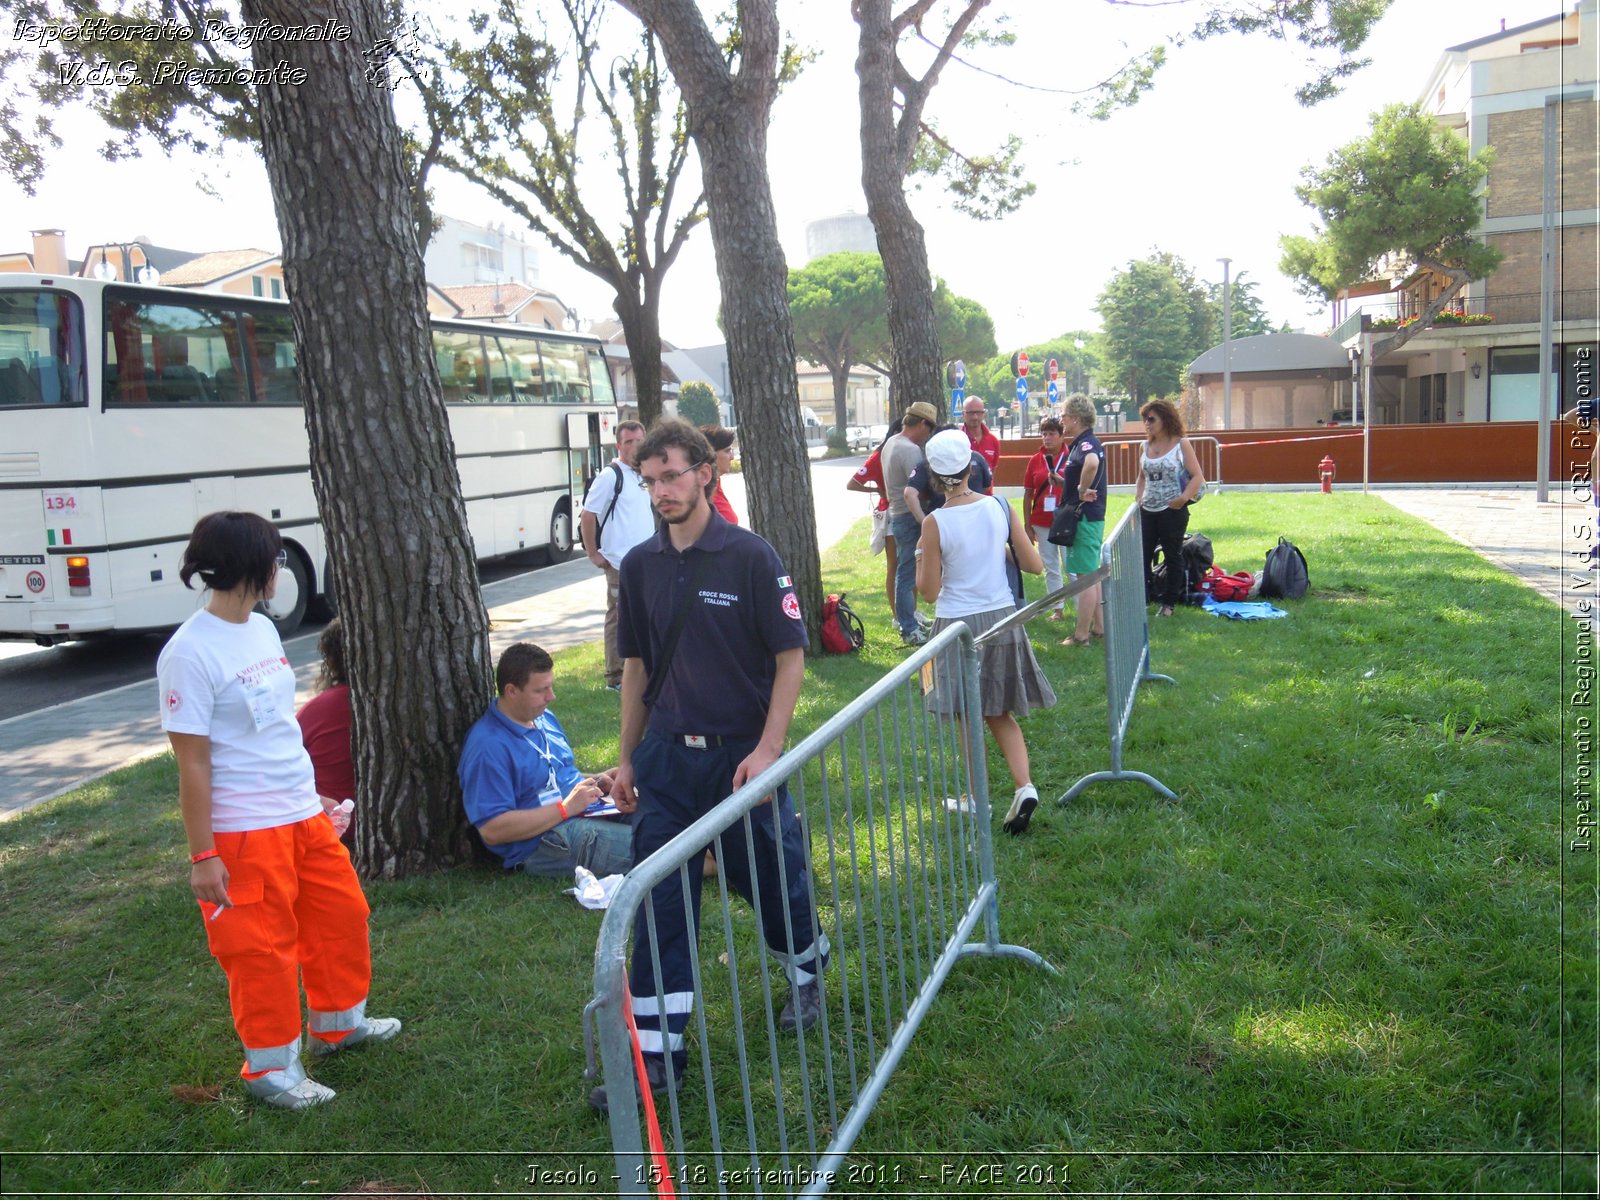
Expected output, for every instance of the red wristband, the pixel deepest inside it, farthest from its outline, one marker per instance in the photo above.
(203, 855)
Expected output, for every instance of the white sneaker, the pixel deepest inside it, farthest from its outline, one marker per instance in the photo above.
(959, 804)
(925, 621)
(1021, 810)
(275, 1089)
(371, 1029)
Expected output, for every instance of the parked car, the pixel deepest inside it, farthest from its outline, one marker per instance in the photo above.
(859, 437)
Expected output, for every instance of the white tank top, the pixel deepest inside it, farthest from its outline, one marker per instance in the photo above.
(972, 553)
(1161, 485)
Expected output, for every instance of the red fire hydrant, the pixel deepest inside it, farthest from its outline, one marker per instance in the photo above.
(1327, 470)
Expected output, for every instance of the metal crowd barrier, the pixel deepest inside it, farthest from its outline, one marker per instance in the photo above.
(1122, 462)
(903, 887)
(1127, 643)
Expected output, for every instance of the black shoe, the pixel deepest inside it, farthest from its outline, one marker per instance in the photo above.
(655, 1070)
(804, 1008)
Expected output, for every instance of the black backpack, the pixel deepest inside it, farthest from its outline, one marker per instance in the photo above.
(1284, 577)
(1198, 557)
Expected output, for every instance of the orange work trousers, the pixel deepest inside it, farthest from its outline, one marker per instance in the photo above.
(298, 914)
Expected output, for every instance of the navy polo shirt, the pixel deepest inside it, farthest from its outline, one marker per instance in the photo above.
(1084, 445)
(506, 767)
(743, 614)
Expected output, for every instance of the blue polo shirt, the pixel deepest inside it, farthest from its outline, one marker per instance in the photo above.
(506, 767)
(743, 614)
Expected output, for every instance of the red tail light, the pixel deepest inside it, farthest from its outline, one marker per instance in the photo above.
(78, 576)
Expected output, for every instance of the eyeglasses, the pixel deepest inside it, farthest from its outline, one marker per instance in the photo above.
(282, 560)
(667, 478)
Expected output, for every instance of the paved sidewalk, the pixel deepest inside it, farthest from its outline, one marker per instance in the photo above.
(1538, 543)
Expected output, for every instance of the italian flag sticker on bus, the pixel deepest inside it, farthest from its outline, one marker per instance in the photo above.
(50, 536)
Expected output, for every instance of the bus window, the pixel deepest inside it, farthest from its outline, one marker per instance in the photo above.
(170, 354)
(461, 366)
(499, 373)
(600, 377)
(41, 349)
(269, 351)
(524, 368)
(566, 372)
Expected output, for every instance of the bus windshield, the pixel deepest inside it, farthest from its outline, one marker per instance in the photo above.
(41, 349)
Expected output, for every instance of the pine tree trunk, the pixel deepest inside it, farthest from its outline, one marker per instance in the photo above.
(728, 118)
(885, 155)
(641, 328)
(382, 460)
(754, 282)
(841, 391)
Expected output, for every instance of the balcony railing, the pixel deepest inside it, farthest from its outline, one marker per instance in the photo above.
(1503, 308)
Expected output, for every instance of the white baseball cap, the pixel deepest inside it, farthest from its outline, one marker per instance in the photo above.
(949, 453)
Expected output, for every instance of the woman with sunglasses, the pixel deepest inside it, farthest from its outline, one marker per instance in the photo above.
(1164, 495)
(279, 899)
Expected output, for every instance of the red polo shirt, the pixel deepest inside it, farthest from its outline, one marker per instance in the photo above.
(985, 444)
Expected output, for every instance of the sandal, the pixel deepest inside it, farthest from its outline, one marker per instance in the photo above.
(1075, 640)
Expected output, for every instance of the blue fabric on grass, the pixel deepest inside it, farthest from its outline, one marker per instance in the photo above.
(1242, 610)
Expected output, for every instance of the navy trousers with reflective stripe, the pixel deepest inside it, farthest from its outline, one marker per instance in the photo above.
(676, 786)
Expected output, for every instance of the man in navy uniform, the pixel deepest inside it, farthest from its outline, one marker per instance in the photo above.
(699, 719)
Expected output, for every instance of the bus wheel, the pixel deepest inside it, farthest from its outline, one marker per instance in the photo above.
(287, 608)
(562, 545)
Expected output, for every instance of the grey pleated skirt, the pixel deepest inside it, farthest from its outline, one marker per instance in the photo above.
(1009, 678)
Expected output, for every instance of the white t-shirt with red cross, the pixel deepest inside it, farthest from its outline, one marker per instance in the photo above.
(232, 684)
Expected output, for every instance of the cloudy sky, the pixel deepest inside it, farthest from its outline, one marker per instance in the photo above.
(1204, 166)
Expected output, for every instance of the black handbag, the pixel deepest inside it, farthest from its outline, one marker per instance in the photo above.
(1064, 525)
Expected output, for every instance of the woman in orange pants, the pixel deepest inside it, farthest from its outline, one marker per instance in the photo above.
(280, 900)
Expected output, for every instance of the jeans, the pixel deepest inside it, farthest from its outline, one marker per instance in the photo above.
(602, 844)
(905, 531)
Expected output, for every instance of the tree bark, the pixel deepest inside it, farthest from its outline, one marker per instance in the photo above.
(382, 459)
(641, 329)
(885, 155)
(728, 118)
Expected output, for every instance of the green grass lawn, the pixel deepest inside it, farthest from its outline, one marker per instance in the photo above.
(1335, 966)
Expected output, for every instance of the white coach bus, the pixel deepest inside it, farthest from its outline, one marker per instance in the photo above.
(128, 412)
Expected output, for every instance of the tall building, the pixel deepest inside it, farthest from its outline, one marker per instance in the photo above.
(846, 231)
(463, 253)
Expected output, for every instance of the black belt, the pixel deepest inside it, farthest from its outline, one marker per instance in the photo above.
(700, 741)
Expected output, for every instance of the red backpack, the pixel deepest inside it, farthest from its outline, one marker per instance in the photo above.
(842, 631)
(1222, 588)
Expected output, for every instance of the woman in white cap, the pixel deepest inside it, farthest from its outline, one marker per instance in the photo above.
(961, 568)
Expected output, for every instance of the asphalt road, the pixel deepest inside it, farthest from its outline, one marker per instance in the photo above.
(32, 677)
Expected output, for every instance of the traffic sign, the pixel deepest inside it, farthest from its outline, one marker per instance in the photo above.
(957, 395)
(1052, 369)
(1022, 390)
(1022, 364)
(958, 374)
(1054, 392)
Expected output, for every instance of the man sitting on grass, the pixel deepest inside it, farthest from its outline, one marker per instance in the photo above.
(521, 789)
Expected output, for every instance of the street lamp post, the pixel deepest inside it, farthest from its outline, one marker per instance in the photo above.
(1116, 416)
(1227, 347)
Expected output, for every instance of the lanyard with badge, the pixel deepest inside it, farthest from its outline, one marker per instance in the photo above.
(550, 792)
(1050, 488)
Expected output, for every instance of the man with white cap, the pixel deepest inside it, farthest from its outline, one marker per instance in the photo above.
(900, 456)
